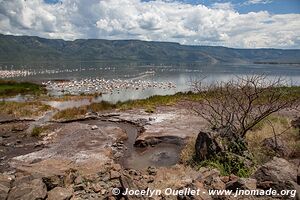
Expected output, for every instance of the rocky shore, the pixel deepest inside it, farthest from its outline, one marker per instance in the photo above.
(88, 158)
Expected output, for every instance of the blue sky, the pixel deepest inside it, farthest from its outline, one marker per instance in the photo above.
(235, 23)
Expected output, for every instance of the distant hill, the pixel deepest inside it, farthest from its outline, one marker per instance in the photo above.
(36, 49)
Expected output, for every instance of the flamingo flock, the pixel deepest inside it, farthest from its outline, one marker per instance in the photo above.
(92, 86)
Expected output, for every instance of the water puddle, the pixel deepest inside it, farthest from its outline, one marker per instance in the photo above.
(166, 153)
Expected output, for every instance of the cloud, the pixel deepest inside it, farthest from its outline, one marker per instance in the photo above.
(223, 6)
(156, 20)
(249, 2)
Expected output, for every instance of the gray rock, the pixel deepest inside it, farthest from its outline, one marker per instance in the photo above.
(5, 184)
(53, 181)
(94, 127)
(79, 187)
(242, 183)
(33, 190)
(278, 174)
(279, 147)
(60, 193)
(3, 191)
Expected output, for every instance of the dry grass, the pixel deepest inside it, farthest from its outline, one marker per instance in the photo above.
(23, 109)
(264, 130)
(188, 152)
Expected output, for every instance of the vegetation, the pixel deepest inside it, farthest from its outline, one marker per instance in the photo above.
(235, 107)
(242, 115)
(23, 109)
(36, 131)
(12, 88)
(34, 49)
(148, 104)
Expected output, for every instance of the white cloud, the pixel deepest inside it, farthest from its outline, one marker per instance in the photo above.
(153, 20)
(249, 2)
(223, 6)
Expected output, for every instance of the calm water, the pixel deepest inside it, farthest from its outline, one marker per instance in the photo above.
(181, 75)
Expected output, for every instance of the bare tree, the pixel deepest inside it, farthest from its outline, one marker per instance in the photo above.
(236, 106)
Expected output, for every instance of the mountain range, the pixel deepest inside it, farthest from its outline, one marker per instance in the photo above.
(36, 49)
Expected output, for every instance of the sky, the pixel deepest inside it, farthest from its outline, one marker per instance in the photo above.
(235, 23)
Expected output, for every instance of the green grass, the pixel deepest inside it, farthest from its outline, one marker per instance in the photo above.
(12, 88)
(227, 165)
(36, 131)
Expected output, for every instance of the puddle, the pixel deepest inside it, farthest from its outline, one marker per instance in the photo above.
(166, 153)
(62, 105)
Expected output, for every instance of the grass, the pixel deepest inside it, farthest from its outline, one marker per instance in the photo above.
(23, 109)
(226, 164)
(149, 104)
(188, 152)
(255, 137)
(12, 88)
(36, 131)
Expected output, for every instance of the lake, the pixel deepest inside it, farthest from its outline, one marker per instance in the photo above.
(180, 74)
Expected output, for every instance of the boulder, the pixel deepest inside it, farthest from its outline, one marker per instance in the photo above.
(206, 146)
(60, 193)
(114, 174)
(3, 191)
(211, 179)
(241, 183)
(5, 184)
(280, 148)
(33, 190)
(202, 195)
(53, 181)
(278, 174)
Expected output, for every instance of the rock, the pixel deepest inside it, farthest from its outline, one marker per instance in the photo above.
(6, 180)
(233, 177)
(217, 184)
(70, 177)
(298, 175)
(94, 127)
(206, 146)
(278, 173)
(96, 187)
(128, 182)
(116, 167)
(33, 190)
(225, 179)
(211, 178)
(60, 193)
(3, 191)
(5, 184)
(114, 174)
(206, 174)
(280, 148)
(152, 170)
(78, 180)
(79, 187)
(53, 181)
(202, 195)
(242, 183)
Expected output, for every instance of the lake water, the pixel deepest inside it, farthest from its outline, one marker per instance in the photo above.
(180, 74)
